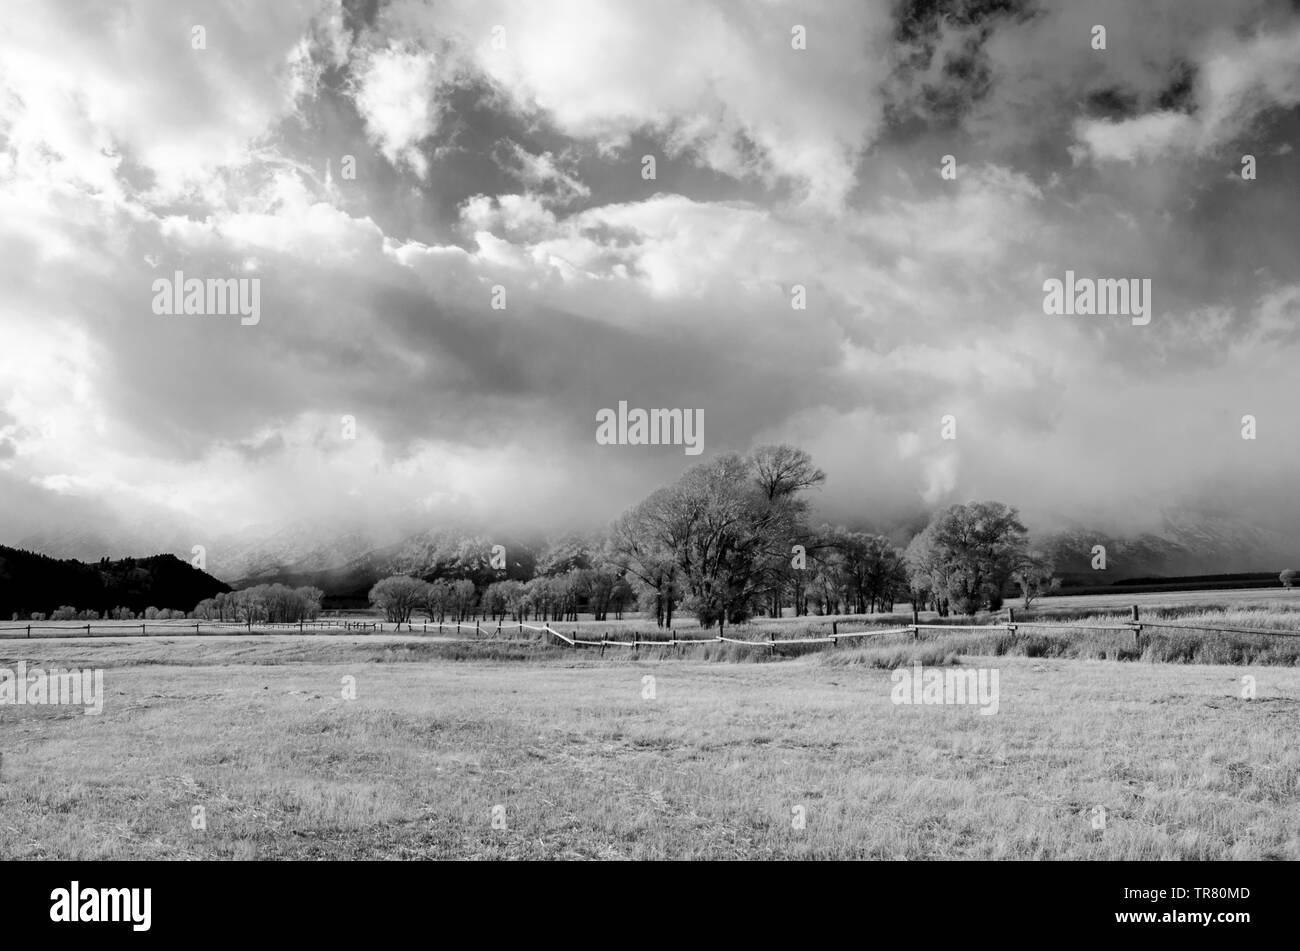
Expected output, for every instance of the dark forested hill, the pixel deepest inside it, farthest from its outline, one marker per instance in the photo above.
(30, 582)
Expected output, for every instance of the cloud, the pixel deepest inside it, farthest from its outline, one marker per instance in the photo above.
(395, 95)
(541, 174)
(87, 95)
(717, 81)
(940, 476)
(518, 169)
(1239, 80)
(1144, 137)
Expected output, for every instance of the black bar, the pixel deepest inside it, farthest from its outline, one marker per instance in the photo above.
(1014, 901)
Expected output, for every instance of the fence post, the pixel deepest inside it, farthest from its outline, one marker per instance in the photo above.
(1137, 628)
(142, 630)
(196, 628)
(476, 630)
(916, 624)
(771, 645)
(1011, 620)
(603, 639)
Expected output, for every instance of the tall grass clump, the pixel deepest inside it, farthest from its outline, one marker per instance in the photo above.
(889, 658)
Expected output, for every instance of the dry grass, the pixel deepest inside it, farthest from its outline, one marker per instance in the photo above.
(256, 732)
(1158, 645)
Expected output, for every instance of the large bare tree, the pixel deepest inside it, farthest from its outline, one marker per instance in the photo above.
(719, 534)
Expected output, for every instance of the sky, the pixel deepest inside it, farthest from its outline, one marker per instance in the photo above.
(388, 172)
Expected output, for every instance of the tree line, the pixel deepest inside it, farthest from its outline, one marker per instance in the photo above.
(548, 597)
(730, 540)
(36, 586)
(263, 603)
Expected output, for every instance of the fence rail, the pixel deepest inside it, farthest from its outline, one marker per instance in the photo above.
(1224, 630)
(1133, 626)
(184, 628)
(197, 627)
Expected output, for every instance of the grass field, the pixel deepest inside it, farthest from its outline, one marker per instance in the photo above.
(1232, 597)
(257, 733)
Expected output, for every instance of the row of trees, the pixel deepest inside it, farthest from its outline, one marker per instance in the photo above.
(729, 540)
(67, 612)
(263, 603)
(554, 597)
(266, 603)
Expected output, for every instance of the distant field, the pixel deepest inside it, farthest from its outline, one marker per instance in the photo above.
(256, 731)
(1263, 597)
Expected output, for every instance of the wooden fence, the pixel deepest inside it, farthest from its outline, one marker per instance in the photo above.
(1133, 626)
(184, 628)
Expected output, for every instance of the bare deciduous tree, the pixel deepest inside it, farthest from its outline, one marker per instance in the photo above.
(399, 595)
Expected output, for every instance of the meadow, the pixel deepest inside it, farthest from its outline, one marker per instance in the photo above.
(719, 761)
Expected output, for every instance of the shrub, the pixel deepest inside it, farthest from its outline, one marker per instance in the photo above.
(1288, 578)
